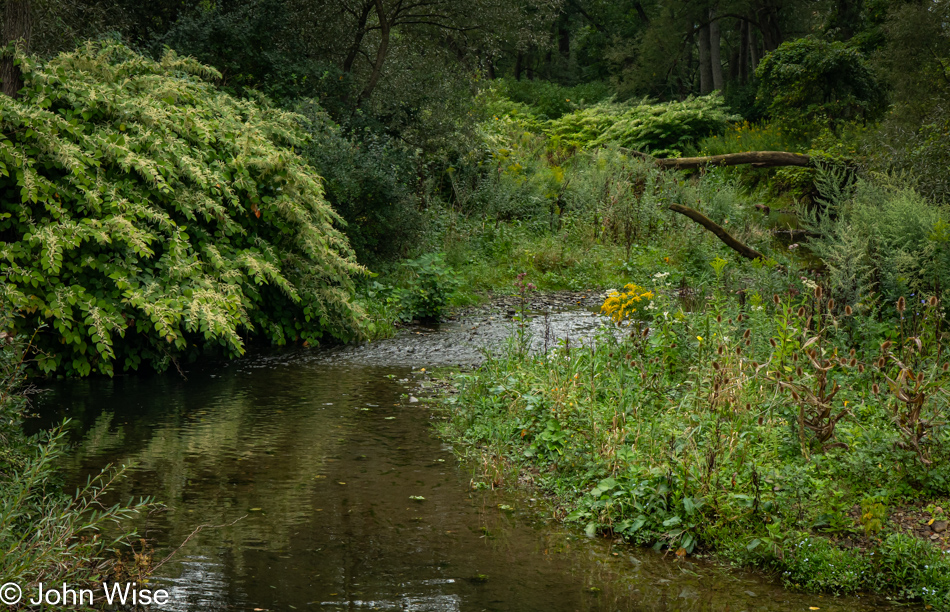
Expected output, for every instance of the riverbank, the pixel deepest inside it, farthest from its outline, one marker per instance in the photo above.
(760, 431)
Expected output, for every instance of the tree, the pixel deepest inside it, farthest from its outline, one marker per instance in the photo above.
(17, 31)
(812, 81)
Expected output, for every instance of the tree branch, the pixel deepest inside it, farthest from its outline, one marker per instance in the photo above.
(720, 233)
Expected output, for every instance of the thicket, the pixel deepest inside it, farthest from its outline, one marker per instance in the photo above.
(146, 215)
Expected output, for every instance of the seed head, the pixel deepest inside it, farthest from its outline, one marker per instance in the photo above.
(920, 377)
(932, 302)
(851, 352)
(760, 418)
(801, 311)
(798, 371)
(831, 304)
(847, 311)
(776, 299)
(887, 344)
(861, 368)
(716, 365)
(853, 362)
(901, 304)
(772, 342)
(719, 350)
(817, 292)
(946, 367)
(718, 318)
(747, 333)
(875, 389)
(738, 350)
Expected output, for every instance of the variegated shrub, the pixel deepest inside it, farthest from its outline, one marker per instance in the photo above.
(145, 215)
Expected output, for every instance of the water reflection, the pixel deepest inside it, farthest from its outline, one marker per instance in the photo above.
(348, 502)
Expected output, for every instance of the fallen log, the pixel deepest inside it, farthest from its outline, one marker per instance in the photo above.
(718, 230)
(758, 159)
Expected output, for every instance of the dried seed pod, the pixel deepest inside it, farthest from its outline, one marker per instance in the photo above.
(861, 368)
(748, 343)
(818, 292)
(772, 342)
(740, 318)
(730, 321)
(851, 352)
(847, 311)
(932, 302)
(831, 304)
(853, 362)
(718, 318)
(886, 345)
(747, 333)
(901, 304)
(738, 350)
(719, 350)
(795, 396)
(755, 364)
(881, 362)
(920, 377)
(799, 371)
(801, 311)
(726, 380)
(716, 365)
(795, 358)
(748, 406)
(875, 389)
(716, 388)
(776, 299)
(946, 367)
(761, 419)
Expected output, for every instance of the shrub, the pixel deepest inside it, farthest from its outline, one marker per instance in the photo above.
(811, 81)
(366, 182)
(146, 215)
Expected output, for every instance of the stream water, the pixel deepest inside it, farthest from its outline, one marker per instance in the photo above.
(322, 453)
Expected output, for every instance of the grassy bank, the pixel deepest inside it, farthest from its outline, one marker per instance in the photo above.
(773, 428)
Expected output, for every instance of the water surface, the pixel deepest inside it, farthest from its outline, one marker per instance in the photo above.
(325, 489)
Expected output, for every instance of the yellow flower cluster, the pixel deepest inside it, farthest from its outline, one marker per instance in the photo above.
(621, 304)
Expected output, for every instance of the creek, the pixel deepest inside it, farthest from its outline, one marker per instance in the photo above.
(348, 499)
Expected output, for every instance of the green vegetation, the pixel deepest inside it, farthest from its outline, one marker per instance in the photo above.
(147, 215)
(183, 179)
(46, 535)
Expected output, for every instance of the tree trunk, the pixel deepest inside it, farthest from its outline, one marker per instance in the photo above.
(564, 40)
(17, 27)
(354, 49)
(715, 59)
(381, 52)
(743, 51)
(705, 68)
(754, 55)
(758, 159)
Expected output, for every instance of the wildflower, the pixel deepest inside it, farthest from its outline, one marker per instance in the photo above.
(700, 338)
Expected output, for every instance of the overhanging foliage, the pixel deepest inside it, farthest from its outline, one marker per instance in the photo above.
(146, 215)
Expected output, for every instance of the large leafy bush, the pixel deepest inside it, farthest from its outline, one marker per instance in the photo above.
(811, 81)
(147, 215)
